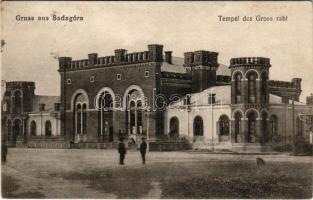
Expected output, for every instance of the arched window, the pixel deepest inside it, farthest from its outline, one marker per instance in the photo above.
(238, 78)
(139, 117)
(78, 118)
(174, 127)
(252, 87)
(17, 99)
(264, 127)
(9, 130)
(299, 125)
(132, 107)
(223, 128)
(105, 117)
(80, 114)
(198, 126)
(84, 113)
(134, 112)
(17, 129)
(264, 87)
(48, 128)
(223, 125)
(273, 125)
(33, 128)
(251, 126)
(238, 118)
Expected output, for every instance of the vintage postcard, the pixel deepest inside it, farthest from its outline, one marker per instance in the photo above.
(156, 100)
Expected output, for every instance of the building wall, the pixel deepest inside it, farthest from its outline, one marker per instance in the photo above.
(40, 120)
(186, 120)
(132, 75)
(285, 117)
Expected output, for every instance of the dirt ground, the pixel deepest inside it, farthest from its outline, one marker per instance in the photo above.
(90, 173)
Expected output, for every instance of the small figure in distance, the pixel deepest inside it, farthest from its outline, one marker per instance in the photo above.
(260, 162)
(121, 150)
(143, 149)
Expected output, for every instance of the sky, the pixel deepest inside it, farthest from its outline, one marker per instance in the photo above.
(32, 47)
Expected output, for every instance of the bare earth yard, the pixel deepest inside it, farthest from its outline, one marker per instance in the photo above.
(89, 173)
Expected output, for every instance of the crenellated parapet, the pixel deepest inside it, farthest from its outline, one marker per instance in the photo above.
(201, 58)
(19, 84)
(295, 83)
(249, 61)
(120, 57)
(286, 89)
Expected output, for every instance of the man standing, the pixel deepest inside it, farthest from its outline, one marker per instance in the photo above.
(121, 150)
(143, 149)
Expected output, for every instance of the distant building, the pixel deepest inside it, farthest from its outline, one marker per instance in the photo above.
(160, 96)
(27, 117)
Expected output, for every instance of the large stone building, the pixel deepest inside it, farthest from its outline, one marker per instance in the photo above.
(160, 96)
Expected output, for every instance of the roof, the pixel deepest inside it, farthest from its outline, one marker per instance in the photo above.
(177, 66)
(274, 99)
(47, 100)
(222, 96)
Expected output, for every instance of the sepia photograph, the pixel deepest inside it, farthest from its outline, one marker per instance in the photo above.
(156, 100)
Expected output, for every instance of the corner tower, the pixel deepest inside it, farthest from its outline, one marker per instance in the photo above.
(250, 99)
(202, 66)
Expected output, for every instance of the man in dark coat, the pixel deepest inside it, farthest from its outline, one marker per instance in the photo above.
(121, 151)
(143, 149)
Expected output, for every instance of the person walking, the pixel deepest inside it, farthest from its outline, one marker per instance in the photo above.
(143, 149)
(121, 151)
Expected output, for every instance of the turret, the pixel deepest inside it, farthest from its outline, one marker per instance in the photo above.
(155, 52)
(202, 66)
(20, 95)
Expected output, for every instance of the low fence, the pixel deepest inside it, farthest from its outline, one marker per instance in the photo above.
(168, 146)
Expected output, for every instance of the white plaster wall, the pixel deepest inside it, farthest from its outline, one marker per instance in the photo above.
(186, 121)
(40, 124)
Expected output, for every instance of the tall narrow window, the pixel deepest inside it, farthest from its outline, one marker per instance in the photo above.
(106, 117)
(273, 125)
(198, 126)
(139, 116)
(48, 129)
(16, 129)
(251, 87)
(224, 125)
(238, 78)
(78, 118)
(9, 130)
(33, 128)
(17, 102)
(84, 113)
(134, 114)
(132, 117)
(264, 87)
(174, 127)
(238, 117)
(251, 127)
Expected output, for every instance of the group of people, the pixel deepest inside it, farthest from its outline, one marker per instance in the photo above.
(122, 150)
